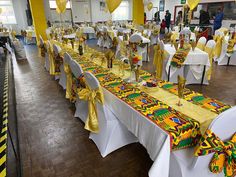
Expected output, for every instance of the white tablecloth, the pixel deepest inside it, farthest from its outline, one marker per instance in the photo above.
(70, 36)
(194, 58)
(153, 138)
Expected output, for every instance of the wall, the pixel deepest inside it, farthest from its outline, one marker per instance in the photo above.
(97, 14)
(19, 8)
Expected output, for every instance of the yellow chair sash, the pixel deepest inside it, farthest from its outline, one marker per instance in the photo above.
(218, 48)
(210, 54)
(68, 80)
(201, 46)
(51, 60)
(92, 96)
(158, 60)
(230, 48)
(225, 153)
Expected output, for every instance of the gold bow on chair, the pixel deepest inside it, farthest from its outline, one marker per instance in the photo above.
(68, 80)
(158, 60)
(230, 48)
(225, 153)
(92, 96)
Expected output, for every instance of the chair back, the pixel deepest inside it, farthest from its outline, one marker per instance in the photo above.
(162, 45)
(224, 127)
(219, 33)
(91, 80)
(201, 43)
(210, 47)
(56, 49)
(76, 69)
(67, 58)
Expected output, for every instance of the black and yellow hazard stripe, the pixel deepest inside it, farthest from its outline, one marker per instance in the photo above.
(3, 135)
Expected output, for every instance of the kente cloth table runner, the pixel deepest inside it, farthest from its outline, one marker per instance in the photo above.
(196, 57)
(161, 114)
(179, 57)
(168, 129)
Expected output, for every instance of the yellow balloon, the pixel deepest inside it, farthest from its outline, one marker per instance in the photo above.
(193, 3)
(150, 6)
(61, 6)
(113, 4)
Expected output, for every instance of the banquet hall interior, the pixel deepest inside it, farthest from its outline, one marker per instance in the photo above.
(117, 88)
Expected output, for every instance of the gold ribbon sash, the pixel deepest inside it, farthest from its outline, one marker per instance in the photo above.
(218, 48)
(201, 46)
(92, 96)
(210, 54)
(158, 60)
(225, 153)
(68, 80)
(230, 48)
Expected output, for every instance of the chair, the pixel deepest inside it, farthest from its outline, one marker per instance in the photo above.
(201, 43)
(57, 60)
(194, 73)
(81, 110)
(184, 164)
(107, 40)
(113, 134)
(47, 57)
(62, 77)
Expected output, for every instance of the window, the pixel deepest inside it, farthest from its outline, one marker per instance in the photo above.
(122, 12)
(53, 4)
(7, 15)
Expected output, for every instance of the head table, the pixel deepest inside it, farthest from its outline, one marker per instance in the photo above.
(151, 114)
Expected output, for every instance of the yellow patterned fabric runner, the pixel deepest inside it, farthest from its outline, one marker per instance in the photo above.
(179, 57)
(183, 130)
(224, 157)
(92, 96)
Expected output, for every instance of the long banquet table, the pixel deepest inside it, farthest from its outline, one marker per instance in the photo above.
(151, 114)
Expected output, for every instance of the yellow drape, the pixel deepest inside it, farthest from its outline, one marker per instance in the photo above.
(61, 6)
(138, 12)
(51, 60)
(158, 60)
(39, 19)
(92, 96)
(68, 80)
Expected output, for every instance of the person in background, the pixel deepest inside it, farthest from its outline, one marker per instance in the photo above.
(163, 26)
(218, 19)
(204, 18)
(49, 24)
(168, 19)
(157, 17)
(179, 18)
(145, 18)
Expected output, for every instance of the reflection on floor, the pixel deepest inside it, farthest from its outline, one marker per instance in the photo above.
(54, 143)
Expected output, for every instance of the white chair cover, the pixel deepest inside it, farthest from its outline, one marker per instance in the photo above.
(202, 40)
(62, 81)
(112, 134)
(57, 50)
(226, 58)
(194, 73)
(183, 162)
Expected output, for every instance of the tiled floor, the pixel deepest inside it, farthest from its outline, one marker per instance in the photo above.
(54, 143)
